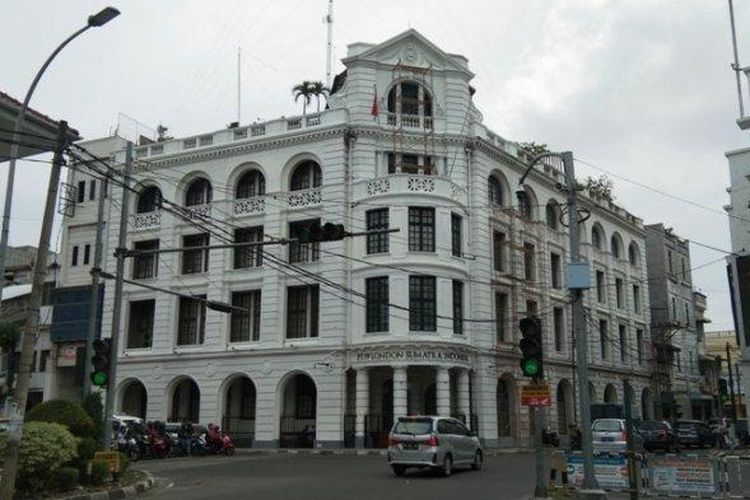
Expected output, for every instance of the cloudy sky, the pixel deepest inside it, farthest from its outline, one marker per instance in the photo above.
(639, 88)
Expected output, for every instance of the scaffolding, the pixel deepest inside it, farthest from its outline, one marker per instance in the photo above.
(410, 111)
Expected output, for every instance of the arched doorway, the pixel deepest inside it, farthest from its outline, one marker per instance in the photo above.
(134, 399)
(505, 399)
(610, 394)
(299, 407)
(647, 405)
(564, 406)
(592, 393)
(239, 411)
(186, 402)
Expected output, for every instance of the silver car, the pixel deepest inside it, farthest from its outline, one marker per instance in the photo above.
(609, 436)
(432, 442)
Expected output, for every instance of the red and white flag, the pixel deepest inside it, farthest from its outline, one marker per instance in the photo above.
(375, 111)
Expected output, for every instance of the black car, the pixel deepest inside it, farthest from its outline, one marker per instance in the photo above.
(694, 433)
(658, 435)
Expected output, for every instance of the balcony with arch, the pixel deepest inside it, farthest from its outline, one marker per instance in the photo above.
(305, 185)
(249, 194)
(198, 198)
(410, 106)
(148, 209)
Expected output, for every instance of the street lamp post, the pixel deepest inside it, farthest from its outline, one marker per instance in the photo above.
(99, 19)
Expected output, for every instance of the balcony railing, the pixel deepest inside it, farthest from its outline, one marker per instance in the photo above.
(305, 198)
(409, 121)
(411, 183)
(200, 212)
(249, 206)
(147, 220)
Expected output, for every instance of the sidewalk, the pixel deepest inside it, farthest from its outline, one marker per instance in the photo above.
(356, 452)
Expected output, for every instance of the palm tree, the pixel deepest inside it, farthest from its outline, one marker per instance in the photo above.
(303, 90)
(318, 89)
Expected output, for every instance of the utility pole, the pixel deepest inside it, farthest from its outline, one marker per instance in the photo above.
(15, 410)
(590, 488)
(94, 306)
(632, 470)
(537, 419)
(329, 45)
(731, 385)
(109, 407)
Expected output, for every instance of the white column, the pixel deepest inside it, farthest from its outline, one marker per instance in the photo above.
(443, 391)
(399, 391)
(362, 404)
(464, 402)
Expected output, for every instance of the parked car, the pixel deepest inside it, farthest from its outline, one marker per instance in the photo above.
(437, 443)
(610, 436)
(658, 435)
(694, 433)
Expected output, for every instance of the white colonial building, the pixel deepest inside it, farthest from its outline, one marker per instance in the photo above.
(336, 339)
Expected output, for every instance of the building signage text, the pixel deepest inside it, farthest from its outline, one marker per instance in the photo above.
(413, 355)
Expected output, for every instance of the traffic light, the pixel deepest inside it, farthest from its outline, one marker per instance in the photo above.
(100, 362)
(327, 232)
(531, 346)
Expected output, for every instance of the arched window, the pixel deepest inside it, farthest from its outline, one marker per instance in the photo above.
(495, 191)
(306, 175)
(252, 183)
(633, 254)
(616, 246)
(527, 204)
(596, 237)
(552, 214)
(198, 193)
(149, 200)
(409, 98)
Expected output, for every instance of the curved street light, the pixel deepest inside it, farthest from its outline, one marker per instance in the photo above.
(94, 21)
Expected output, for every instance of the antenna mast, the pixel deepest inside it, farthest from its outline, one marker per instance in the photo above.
(239, 85)
(329, 47)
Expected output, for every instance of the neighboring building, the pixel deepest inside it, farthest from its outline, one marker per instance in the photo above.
(19, 265)
(738, 264)
(337, 339)
(716, 347)
(707, 404)
(673, 325)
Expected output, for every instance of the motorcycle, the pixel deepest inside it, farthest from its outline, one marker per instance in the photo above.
(125, 442)
(161, 445)
(219, 442)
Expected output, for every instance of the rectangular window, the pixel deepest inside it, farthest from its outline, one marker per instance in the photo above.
(603, 338)
(86, 254)
(377, 298)
(399, 163)
(555, 270)
(456, 235)
(636, 299)
(146, 265)
(81, 191)
(618, 293)
(33, 363)
(191, 328)
(501, 315)
(195, 261)
(302, 252)
(302, 311)
(422, 307)
(377, 220)
(684, 269)
(43, 360)
(559, 325)
(498, 250)
(92, 190)
(248, 257)
(669, 262)
(679, 362)
(531, 308)
(601, 292)
(687, 313)
(674, 309)
(141, 324)
(623, 331)
(639, 345)
(74, 258)
(528, 262)
(245, 325)
(458, 307)
(421, 229)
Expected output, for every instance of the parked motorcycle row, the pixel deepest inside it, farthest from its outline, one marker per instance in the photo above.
(162, 440)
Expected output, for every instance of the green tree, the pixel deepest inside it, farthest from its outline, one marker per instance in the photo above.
(303, 90)
(67, 413)
(317, 89)
(601, 186)
(534, 149)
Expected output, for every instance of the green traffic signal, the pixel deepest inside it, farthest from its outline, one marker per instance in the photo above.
(530, 367)
(99, 379)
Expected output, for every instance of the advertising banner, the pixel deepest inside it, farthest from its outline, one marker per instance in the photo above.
(682, 475)
(611, 471)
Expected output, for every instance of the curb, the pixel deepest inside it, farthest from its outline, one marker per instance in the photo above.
(117, 493)
(355, 452)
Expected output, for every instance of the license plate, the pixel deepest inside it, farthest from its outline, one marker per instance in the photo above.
(607, 438)
(410, 446)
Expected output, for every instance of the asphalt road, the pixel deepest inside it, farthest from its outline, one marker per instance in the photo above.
(282, 477)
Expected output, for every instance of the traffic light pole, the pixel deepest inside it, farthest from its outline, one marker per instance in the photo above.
(590, 488)
(109, 407)
(731, 385)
